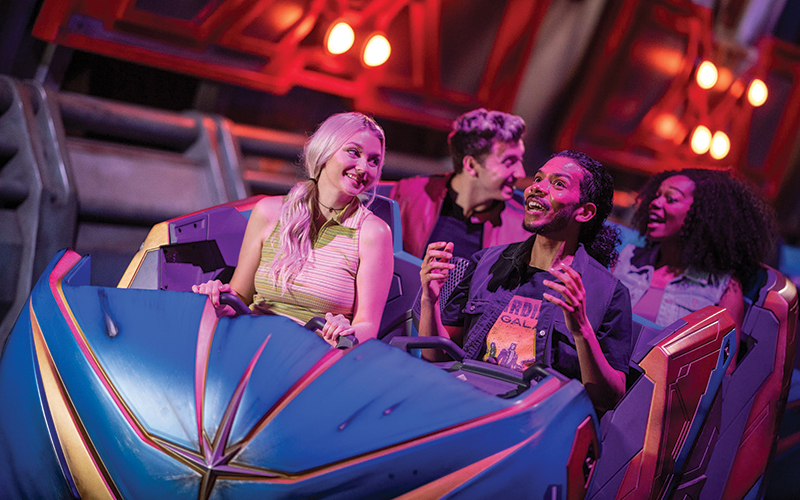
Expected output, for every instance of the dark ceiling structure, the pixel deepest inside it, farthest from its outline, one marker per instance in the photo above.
(447, 56)
(634, 102)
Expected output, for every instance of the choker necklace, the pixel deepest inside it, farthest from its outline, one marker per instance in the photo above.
(331, 208)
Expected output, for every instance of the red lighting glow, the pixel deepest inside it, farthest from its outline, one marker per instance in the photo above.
(701, 140)
(340, 38)
(377, 50)
(706, 75)
(720, 145)
(757, 93)
(725, 79)
(666, 125)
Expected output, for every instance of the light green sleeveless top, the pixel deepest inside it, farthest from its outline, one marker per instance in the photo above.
(326, 283)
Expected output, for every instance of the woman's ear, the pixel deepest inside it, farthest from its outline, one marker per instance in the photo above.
(585, 212)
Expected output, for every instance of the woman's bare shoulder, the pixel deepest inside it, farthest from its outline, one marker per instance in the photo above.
(269, 205)
(266, 212)
(374, 230)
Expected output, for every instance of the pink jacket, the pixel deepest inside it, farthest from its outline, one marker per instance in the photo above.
(420, 200)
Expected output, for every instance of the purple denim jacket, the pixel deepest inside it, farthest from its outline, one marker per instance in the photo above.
(490, 283)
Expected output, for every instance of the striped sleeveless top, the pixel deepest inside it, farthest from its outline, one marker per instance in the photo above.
(326, 283)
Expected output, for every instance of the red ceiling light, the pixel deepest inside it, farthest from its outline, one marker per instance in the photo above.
(720, 145)
(340, 38)
(757, 93)
(701, 140)
(376, 50)
(706, 75)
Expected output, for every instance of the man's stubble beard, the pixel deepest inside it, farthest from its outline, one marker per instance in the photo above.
(559, 222)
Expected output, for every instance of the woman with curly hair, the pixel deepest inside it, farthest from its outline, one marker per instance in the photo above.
(707, 233)
(319, 251)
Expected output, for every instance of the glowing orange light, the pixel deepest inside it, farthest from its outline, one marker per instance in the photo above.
(757, 93)
(667, 61)
(340, 38)
(706, 75)
(737, 87)
(720, 145)
(725, 79)
(701, 139)
(377, 50)
(666, 125)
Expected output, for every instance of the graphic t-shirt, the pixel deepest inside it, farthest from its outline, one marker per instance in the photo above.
(511, 342)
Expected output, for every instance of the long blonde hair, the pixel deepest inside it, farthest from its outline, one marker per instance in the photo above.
(300, 209)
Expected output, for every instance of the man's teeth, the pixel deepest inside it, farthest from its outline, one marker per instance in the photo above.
(535, 205)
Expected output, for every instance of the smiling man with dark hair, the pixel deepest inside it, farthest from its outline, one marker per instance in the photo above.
(474, 206)
(549, 299)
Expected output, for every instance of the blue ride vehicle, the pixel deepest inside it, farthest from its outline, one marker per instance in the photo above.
(140, 391)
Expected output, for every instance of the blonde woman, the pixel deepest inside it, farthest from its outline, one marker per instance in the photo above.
(319, 251)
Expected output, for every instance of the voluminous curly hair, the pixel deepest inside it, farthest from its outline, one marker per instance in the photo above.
(475, 132)
(297, 231)
(729, 228)
(597, 186)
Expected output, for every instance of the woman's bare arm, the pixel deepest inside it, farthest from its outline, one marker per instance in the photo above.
(373, 278)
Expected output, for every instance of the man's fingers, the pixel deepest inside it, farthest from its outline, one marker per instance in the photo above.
(560, 303)
(576, 277)
(567, 280)
(439, 250)
(554, 285)
(445, 266)
(568, 276)
(438, 256)
(568, 294)
(435, 247)
(561, 273)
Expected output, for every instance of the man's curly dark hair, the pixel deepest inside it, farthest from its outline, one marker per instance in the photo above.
(599, 239)
(729, 228)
